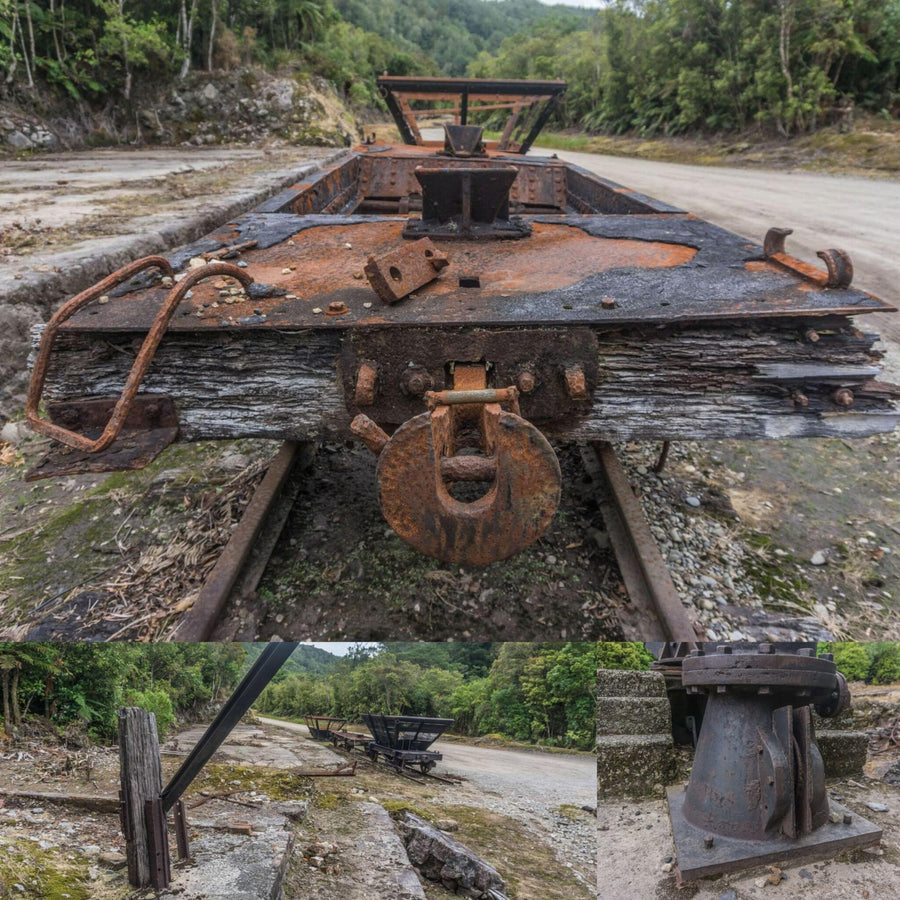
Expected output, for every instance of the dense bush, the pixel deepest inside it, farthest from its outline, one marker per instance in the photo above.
(531, 692)
(623, 655)
(87, 682)
(670, 66)
(886, 665)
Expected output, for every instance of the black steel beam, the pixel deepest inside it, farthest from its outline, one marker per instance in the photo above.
(261, 673)
(540, 122)
(394, 108)
(474, 86)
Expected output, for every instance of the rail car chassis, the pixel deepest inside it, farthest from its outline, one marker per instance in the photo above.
(455, 306)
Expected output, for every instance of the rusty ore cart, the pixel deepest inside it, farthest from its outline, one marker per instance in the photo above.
(403, 741)
(455, 305)
(322, 728)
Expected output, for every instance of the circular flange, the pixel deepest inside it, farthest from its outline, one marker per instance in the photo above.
(753, 670)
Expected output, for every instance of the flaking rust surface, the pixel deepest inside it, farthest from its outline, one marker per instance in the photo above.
(326, 262)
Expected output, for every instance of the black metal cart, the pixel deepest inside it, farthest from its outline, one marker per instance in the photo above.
(404, 740)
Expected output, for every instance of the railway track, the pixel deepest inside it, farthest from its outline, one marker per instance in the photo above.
(654, 612)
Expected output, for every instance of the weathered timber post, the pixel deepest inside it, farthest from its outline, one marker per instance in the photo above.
(140, 771)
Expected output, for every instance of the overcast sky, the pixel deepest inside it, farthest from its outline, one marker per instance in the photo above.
(590, 4)
(340, 648)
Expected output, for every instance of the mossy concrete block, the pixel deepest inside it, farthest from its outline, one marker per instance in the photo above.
(843, 752)
(633, 766)
(629, 683)
(633, 715)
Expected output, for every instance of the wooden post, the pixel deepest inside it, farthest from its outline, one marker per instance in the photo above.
(140, 771)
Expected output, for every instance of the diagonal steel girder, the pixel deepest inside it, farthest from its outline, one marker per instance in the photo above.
(260, 674)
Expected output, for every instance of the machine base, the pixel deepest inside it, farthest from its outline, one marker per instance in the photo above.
(731, 854)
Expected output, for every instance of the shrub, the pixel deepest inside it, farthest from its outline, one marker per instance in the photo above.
(852, 660)
(624, 655)
(159, 703)
(886, 665)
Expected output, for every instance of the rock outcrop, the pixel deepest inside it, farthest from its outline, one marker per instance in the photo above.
(441, 858)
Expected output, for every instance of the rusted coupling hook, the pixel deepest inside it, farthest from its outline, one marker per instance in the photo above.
(141, 362)
(415, 465)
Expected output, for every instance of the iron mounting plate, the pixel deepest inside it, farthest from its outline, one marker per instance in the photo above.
(150, 427)
(545, 352)
(731, 855)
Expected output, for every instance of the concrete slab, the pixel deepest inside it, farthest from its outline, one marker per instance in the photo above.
(372, 861)
(249, 745)
(232, 867)
(225, 815)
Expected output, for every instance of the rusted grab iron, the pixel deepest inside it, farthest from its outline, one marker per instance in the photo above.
(757, 786)
(142, 361)
(466, 437)
(838, 263)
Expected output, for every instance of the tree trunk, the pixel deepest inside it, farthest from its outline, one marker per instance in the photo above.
(784, 51)
(56, 45)
(14, 698)
(13, 59)
(126, 87)
(28, 71)
(213, 20)
(30, 33)
(187, 39)
(7, 724)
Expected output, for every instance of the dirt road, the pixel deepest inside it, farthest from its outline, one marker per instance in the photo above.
(859, 215)
(555, 777)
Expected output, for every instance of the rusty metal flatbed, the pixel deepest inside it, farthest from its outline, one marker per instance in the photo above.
(590, 310)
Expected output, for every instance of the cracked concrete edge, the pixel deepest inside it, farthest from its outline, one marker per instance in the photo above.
(96, 258)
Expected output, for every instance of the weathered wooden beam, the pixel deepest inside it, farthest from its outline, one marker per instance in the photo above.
(140, 771)
(687, 383)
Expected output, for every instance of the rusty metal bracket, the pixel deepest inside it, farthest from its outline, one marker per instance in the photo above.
(151, 425)
(142, 361)
(463, 140)
(466, 203)
(838, 263)
(182, 841)
(158, 839)
(396, 275)
(466, 437)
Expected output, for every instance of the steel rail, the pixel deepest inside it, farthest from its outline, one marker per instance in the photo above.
(658, 613)
(198, 623)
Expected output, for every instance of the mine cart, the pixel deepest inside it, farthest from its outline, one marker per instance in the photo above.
(350, 740)
(403, 741)
(455, 305)
(322, 728)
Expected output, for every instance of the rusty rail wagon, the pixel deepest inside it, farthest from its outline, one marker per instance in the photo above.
(456, 305)
(323, 728)
(403, 741)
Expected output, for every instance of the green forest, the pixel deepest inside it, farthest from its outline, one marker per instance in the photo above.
(641, 66)
(83, 684)
(876, 662)
(541, 693)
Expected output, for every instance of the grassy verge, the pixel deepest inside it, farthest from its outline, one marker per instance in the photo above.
(872, 148)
